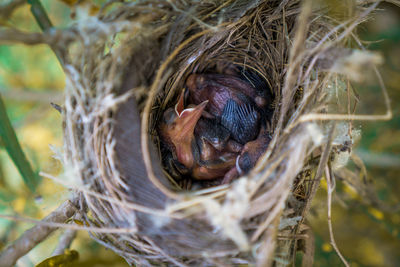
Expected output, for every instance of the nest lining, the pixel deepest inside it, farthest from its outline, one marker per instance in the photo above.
(113, 80)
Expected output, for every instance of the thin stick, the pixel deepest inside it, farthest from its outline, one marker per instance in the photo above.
(7, 9)
(51, 38)
(43, 223)
(40, 15)
(330, 190)
(44, 22)
(65, 241)
(30, 238)
(343, 117)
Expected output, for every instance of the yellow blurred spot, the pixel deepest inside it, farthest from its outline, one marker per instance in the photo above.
(327, 247)
(350, 191)
(371, 253)
(19, 204)
(80, 223)
(94, 10)
(376, 213)
(38, 137)
(35, 77)
(324, 185)
(340, 9)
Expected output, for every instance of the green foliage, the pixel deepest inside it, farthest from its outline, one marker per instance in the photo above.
(14, 150)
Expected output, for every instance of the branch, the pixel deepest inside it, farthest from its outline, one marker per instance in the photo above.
(32, 237)
(65, 241)
(8, 8)
(40, 15)
(52, 37)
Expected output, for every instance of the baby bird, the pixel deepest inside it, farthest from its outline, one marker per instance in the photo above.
(231, 102)
(217, 153)
(222, 133)
(198, 146)
(249, 156)
(177, 131)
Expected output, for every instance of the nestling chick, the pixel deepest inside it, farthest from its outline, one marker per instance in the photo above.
(231, 103)
(222, 133)
(217, 153)
(177, 131)
(199, 147)
(249, 156)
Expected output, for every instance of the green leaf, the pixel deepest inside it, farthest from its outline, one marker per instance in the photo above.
(67, 259)
(14, 150)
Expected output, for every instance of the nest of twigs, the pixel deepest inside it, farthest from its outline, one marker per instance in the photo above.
(127, 64)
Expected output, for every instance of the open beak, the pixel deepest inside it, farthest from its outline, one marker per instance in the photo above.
(183, 132)
(179, 107)
(188, 117)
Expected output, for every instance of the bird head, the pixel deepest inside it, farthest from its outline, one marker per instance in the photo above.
(177, 129)
(198, 87)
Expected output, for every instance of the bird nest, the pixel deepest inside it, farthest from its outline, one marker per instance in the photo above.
(128, 64)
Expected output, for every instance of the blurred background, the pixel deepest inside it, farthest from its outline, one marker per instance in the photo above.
(31, 78)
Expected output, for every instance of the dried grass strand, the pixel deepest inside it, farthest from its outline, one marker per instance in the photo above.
(329, 182)
(127, 205)
(38, 222)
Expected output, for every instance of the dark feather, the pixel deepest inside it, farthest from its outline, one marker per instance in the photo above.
(241, 120)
